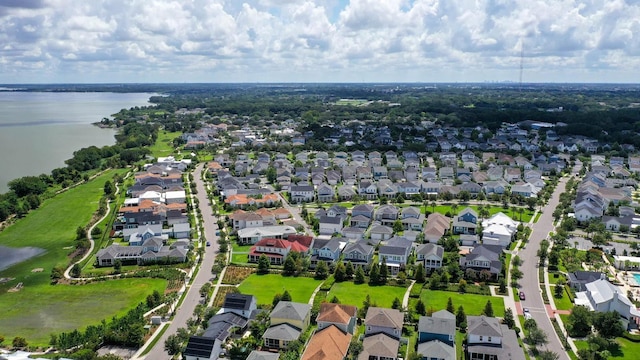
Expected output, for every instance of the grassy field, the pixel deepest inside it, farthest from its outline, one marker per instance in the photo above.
(53, 228)
(563, 303)
(39, 308)
(37, 311)
(355, 294)
(473, 304)
(265, 287)
(164, 143)
(240, 258)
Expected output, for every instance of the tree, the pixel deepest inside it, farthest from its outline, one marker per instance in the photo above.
(76, 271)
(547, 355)
(349, 271)
(462, 286)
(383, 273)
(173, 345)
(334, 300)
(420, 308)
(536, 337)
(340, 272)
(461, 317)
(109, 188)
(397, 226)
(322, 270)
(285, 296)
(289, 265)
(359, 275)
(558, 290)
(19, 342)
(117, 266)
(579, 321)
(374, 274)
(508, 318)
(419, 274)
(450, 307)
(397, 304)
(488, 309)
(608, 324)
(503, 286)
(263, 264)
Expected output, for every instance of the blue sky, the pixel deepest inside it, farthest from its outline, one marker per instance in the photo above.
(43, 41)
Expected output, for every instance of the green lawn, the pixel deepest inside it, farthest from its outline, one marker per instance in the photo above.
(53, 228)
(240, 248)
(473, 304)
(355, 294)
(164, 143)
(626, 351)
(37, 311)
(239, 258)
(563, 303)
(265, 287)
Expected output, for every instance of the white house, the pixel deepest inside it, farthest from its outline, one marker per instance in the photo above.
(498, 230)
(603, 296)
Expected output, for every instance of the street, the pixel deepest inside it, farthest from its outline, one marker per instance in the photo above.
(529, 284)
(192, 298)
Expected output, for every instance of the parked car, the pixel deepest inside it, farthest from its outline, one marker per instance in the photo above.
(208, 243)
(521, 295)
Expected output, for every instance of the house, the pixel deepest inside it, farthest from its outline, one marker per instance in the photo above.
(276, 250)
(288, 320)
(329, 343)
(602, 296)
(325, 193)
(368, 190)
(358, 253)
(326, 250)
(498, 230)
(383, 320)
(441, 325)
(150, 251)
(395, 253)
(329, 225)
(346, 192)
(430, 255)
(240, 304)
(578, 279)
(209, 345)
(380, 232)
(302, 193)
(437, 225)
(359, 221)
(615, 223)
(466, 222)
(488, 339)
(483, 258)
(379, 347)
(436, 336)
(263, 355)
(252, 235)
(412, 218)
(386, 214)
(525, 190)
(339, 315)
(365, 210)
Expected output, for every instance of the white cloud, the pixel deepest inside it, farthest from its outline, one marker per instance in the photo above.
(322, 40)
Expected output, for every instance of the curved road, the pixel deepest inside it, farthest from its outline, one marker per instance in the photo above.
(192, 297)
(530, 282)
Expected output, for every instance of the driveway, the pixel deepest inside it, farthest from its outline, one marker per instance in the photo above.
(192, 298)
(529, 284)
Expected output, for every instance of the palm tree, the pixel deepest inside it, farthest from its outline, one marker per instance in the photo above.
(520, 211)
(433, 206)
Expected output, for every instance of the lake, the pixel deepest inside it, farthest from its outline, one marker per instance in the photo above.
(40, 130)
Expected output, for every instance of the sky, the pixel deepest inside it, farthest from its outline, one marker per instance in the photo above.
(139, 41)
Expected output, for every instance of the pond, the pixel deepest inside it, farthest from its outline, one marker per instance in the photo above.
(11, 256)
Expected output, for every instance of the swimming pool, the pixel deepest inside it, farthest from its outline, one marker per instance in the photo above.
(636, 278)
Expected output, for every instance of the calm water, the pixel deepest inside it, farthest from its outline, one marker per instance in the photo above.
(39, 131)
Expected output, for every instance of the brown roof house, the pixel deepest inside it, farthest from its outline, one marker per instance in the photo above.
(339, 315)
(383, 328)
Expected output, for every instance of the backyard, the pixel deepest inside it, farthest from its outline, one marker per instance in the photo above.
(355, 294)
(473, 304)
(265, 287)
(627, 348)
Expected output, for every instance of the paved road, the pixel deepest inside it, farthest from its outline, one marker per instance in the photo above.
(185, 311)
(530, 282)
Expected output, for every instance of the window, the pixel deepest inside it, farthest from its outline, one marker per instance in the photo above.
(489, 339)
(480, 337)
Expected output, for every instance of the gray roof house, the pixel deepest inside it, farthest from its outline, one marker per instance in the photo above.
(578, 279)
(487, 338)
(359, 253)
(430, 256)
